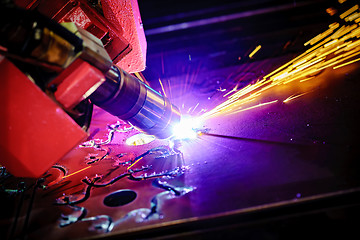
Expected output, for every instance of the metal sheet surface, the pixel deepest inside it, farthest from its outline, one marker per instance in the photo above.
(270, 154)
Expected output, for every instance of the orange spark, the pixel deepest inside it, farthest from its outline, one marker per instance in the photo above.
(336, 47)
(83, 169)
(254, 51)
(347, 63)
(292, 97)
(350, 11)
(134, 163)
(256, 106)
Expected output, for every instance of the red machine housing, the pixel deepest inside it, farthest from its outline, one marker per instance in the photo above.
(117, 23)
(35, 131)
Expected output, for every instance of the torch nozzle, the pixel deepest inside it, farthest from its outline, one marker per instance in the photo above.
(131, 100)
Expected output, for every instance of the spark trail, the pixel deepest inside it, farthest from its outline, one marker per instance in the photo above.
(336, 47)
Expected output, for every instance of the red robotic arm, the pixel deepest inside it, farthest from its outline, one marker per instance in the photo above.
(53, 73)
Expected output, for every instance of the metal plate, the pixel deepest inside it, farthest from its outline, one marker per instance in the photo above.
(272, 162)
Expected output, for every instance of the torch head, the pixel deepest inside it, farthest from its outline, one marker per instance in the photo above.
(132, 100)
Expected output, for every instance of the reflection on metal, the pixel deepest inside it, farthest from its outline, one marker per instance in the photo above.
(54, 175)
(154, 213)
(140, 139)
(163, 162)
(117, 127)
(104, 223)
(77, 215)
(91, 158)
(91, 183)
(100, 223)
(73, 200)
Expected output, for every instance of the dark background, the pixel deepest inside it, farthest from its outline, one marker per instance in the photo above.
(281, 27)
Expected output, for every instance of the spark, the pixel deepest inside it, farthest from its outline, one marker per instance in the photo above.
(352, 17)
(350, 11)
(292, 97)
(306, 79)
(254, 51)
(256, 106)
(337, 46)
(221, 90)
(188, 111)
(134, 163)
(347, 63)
(231, 91)
(331, 11)
(195, 107)
(202, 110)
(83, 169)
(162, 87)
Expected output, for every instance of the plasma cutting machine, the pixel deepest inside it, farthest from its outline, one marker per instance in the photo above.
(53, 73)
(279, 156)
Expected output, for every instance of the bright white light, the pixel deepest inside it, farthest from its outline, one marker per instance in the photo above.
(187, 128)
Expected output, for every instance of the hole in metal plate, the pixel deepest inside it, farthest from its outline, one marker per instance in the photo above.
(120, 198)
